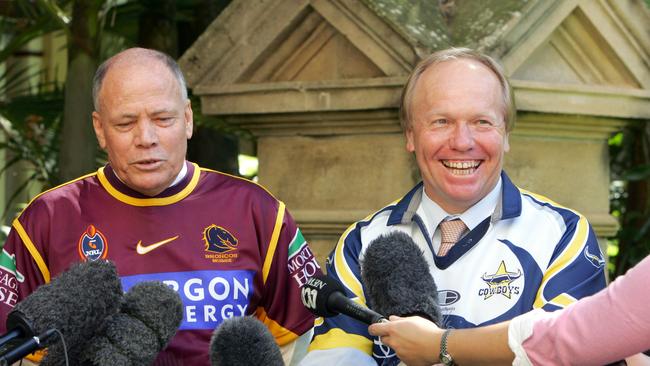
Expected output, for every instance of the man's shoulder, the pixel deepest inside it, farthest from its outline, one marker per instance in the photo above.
(70, 190)
(540, 205)
(372, 226)
(68, 194)
(224, 183)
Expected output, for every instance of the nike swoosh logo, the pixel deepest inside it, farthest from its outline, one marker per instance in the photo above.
(141, 249)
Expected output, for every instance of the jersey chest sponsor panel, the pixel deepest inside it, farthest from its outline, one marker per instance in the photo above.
(209, 297)
(505, 279)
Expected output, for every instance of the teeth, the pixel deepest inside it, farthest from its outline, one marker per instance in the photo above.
(461, 164)
(462, 171)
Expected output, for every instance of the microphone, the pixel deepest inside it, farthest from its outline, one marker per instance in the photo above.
(397, 278)
(75, 303)
(151, 313)
(244, 341)
(27, 347)
(324, 296)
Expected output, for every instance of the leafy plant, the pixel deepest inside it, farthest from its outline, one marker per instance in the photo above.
(629, 197)
(30, 121)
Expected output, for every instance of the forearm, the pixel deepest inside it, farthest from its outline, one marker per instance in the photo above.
(417, 342)
(480, 346)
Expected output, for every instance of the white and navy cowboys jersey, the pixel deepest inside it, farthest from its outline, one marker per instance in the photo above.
(530, 253)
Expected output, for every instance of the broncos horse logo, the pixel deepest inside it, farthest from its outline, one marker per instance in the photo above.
(218, 239)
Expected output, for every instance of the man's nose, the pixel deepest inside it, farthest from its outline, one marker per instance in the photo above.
(462, 137)
(146, 134)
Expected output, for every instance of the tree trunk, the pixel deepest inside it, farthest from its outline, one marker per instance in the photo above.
(157, 26)
(78, 143)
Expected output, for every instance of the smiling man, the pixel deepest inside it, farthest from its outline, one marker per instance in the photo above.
(494, 250)
(226, 245)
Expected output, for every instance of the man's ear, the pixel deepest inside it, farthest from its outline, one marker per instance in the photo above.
(189, 119)
(99, 130)
(506, 143)
(410, 140)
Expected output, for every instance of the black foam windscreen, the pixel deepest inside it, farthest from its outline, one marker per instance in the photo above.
(244, 341)
(397, 278)
(150, 315)
(76, 303)
(158, 306)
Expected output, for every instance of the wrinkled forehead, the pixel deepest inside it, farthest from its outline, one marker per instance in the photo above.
(461, 79)
(138, 77)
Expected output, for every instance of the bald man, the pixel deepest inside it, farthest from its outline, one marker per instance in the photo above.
(226, 245)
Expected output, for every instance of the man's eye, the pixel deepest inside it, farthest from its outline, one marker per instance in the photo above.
(440, 121)
(124, 125)
(484, 122)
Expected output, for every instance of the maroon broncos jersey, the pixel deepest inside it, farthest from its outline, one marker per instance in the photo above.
(226, 245)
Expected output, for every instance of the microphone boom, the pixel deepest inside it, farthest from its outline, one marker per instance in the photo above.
(324, 296)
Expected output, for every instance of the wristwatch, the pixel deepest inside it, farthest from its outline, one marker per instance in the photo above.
(445, 357)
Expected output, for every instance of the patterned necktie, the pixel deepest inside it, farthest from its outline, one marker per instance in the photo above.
(450, 232)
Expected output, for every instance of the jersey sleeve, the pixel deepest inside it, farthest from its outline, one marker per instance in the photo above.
(341, 338)
(287, 265)
(576, 269)
(22, 268)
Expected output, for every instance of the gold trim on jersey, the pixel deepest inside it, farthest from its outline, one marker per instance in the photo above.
(343, 270)
(149, 201)
(59, 186)
(563, 300)
(240, 178)
(27, 241)
(274, 242)
(570, 252)
(337, 338)
(281, 334)
(266, 268)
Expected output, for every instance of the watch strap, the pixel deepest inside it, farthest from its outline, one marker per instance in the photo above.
(445, 357)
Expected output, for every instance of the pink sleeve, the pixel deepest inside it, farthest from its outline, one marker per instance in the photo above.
(606, 327)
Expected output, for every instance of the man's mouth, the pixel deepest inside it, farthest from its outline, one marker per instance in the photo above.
(147, 162)
(461, 167)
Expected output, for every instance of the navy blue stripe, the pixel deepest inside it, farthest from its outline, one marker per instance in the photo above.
(464, 245)
(511, 198)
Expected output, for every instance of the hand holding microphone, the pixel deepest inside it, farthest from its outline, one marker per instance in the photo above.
(398, 281)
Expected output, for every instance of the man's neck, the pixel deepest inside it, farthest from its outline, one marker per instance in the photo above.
(471, 216)
(181, 174)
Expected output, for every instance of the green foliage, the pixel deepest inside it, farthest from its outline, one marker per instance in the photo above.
(30, 20)
(629, 197)
(31, 123)
(31, 111)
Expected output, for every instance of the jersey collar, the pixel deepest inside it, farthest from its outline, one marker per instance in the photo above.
(171, 195)
(508, 207)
